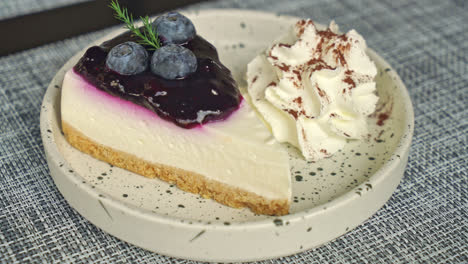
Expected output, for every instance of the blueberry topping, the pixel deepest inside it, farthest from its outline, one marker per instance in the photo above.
(174, 28)
(209, 94)
(173, 62)
(128, 58)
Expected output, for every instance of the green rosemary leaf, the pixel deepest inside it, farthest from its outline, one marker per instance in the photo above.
(149, 37)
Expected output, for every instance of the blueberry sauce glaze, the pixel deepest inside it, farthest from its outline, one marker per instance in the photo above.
(209, 94)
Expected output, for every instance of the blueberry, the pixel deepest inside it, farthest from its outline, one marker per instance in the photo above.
(173, 62)
(127, 58)
(174, 28)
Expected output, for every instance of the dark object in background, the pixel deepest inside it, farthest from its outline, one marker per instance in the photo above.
(29, 31)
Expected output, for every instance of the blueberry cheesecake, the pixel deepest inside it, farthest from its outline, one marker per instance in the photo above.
(157, 101)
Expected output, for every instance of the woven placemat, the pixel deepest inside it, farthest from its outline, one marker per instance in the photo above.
(425, 221)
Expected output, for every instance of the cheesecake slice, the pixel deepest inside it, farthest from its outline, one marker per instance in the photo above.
(232, 159)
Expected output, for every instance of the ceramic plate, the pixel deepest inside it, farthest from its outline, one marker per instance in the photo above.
(330, 197)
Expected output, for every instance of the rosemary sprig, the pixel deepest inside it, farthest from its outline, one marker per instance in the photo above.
(148, 37)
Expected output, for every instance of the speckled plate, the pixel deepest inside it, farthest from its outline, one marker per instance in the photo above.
(330, 197)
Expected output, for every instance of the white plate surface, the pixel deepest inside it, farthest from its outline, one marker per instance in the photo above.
(330, 197)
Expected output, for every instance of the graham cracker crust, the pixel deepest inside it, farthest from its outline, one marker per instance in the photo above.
(185, 180)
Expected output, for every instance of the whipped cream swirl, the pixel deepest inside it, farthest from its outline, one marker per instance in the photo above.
(315, 88)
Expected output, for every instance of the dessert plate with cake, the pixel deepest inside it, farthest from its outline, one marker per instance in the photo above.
(255, 137)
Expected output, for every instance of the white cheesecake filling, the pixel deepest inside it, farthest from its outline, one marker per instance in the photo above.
(238, 151)
(314, 88)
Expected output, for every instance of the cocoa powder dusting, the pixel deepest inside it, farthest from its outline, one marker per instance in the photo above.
(340, 51)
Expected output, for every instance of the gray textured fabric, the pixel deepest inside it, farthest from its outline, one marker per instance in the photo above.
(425, 221)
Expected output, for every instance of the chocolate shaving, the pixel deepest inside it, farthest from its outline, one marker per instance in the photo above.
(323, 66)
(350, 81)
(298, 101)
(383, 111)
(301, 25)
(324, 151)
(339, 57)
(271, 56)
(254, 78)
(283, 67)
(330, 47)
(326, 34)
(301, 31)
(319, 64)
(291, 112)
(301, 22)
(320, 91)
(298, 74)
(343, 37)
(314, 61)
(304, 135)
(381, 118)
(339, 51)
(295, 113)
